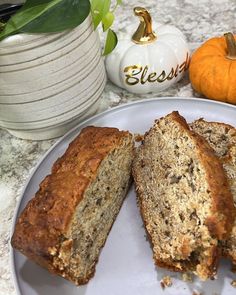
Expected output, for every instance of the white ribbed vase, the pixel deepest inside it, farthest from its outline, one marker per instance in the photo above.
(50, 82)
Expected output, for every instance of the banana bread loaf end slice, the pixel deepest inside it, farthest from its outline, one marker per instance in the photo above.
(222, 138)
(65, 225)
(184, 197)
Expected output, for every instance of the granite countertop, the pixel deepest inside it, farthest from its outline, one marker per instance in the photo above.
(199, 20)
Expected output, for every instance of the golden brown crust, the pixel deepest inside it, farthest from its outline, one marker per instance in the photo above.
(229, 131)
(222, 214)
(213, 261)
(92, 273)
(222, 138)
(223, 210)
(227, 126)
(44, 222)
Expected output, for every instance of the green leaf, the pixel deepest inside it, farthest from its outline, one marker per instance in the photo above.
(106, 6)
(26, 15)
(31, 3)
(111, 41)
(99, 9)
(107, 21)
(97, 14)
(43, 16)
(67, 14)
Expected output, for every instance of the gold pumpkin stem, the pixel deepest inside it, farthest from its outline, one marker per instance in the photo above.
(144, 33)
(231, 46)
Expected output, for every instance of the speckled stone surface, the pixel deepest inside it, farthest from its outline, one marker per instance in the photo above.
(199, 20)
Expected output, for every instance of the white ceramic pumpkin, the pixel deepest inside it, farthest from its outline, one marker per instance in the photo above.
(149, 62)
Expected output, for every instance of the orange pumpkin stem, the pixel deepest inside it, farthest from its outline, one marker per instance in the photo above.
(231, 45)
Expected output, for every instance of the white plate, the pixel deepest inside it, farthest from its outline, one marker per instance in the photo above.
(125, 266)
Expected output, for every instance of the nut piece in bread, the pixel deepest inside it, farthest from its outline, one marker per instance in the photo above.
(65, 225)
(184, 197)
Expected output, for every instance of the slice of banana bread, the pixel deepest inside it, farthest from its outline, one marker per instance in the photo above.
(222, 138)
(65, 225)
(184, 197)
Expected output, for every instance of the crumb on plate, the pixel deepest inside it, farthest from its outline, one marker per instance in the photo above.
(187, 277)
(233, 269)
(233, 283)
(166, 282)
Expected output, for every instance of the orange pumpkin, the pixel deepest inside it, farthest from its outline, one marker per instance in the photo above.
(212, 70)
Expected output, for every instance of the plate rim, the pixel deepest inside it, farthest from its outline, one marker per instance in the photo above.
(79, 126)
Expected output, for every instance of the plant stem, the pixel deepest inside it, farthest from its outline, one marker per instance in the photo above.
(231, 46)
(2, 25)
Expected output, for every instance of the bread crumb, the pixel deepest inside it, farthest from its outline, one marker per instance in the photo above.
(186, 277)
(233, 283)
(166, 282)
(138, 137)
(233, 269)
